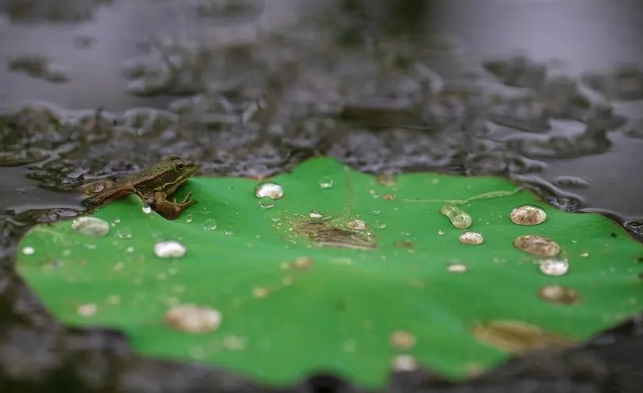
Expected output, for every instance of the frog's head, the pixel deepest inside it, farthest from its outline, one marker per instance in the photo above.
(175, 172)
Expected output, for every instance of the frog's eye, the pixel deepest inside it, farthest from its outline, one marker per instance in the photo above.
(178, 165)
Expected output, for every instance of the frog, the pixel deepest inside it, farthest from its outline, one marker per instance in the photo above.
(153, 186)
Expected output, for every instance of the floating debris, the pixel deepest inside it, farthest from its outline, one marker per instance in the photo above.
(558, 294)
(190, 318)
(458, 217)
(357, 225)
(266, 202)
(325, 182)
(388, 197)
(401, 339)
(528, 215)
(87, 310)
(537, 245)
(28, 250)
(90, 226)
(404, 363)
(554, 267)
(169, 249)
(457, 268)
(210, 224)
(270, 190)
(471, 238)
(516, 336)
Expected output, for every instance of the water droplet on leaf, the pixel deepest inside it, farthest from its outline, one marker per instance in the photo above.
(169, 249)
(537, 245)
(28, 250)
(209, 224)
(87, 310)
(471, 238)
(558, 294)
(190, 318)
(457, 268)
(266, 203)
(528, 215)
(325, 182)
(404, 363)
(458, 217)
(124, 233)
(554, 267)
(91, 226)
(269, 190)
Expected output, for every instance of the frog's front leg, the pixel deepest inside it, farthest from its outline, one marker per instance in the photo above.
(170, 210)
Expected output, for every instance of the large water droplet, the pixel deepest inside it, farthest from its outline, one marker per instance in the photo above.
(210, 224)
(458, 217)
(188, 218)
(146, 209)
(325, 182)
(269, 190)
(266, 202)
(537, 245)
(91, 226)
(471, 238)
(190, 318)
(554, 267)
(315, 214)
(528, 215)
(169, 249)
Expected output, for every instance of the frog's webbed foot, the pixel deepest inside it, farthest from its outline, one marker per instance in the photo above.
(172, 210)
(186, 201)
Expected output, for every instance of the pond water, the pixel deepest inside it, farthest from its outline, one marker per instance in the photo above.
(541, 91)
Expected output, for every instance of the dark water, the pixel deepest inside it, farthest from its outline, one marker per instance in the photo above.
(381, 85)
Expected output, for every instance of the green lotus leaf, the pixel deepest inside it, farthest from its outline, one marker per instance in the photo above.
(348, 273)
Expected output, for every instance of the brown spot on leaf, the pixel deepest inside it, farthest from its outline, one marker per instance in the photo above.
(325, 233)
(517, 337)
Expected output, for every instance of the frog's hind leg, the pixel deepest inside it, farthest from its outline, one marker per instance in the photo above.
(170, 210)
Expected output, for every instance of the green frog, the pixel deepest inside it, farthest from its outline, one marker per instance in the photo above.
(153, 185)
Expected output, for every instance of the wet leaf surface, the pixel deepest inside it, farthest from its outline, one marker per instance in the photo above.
(321, 279)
